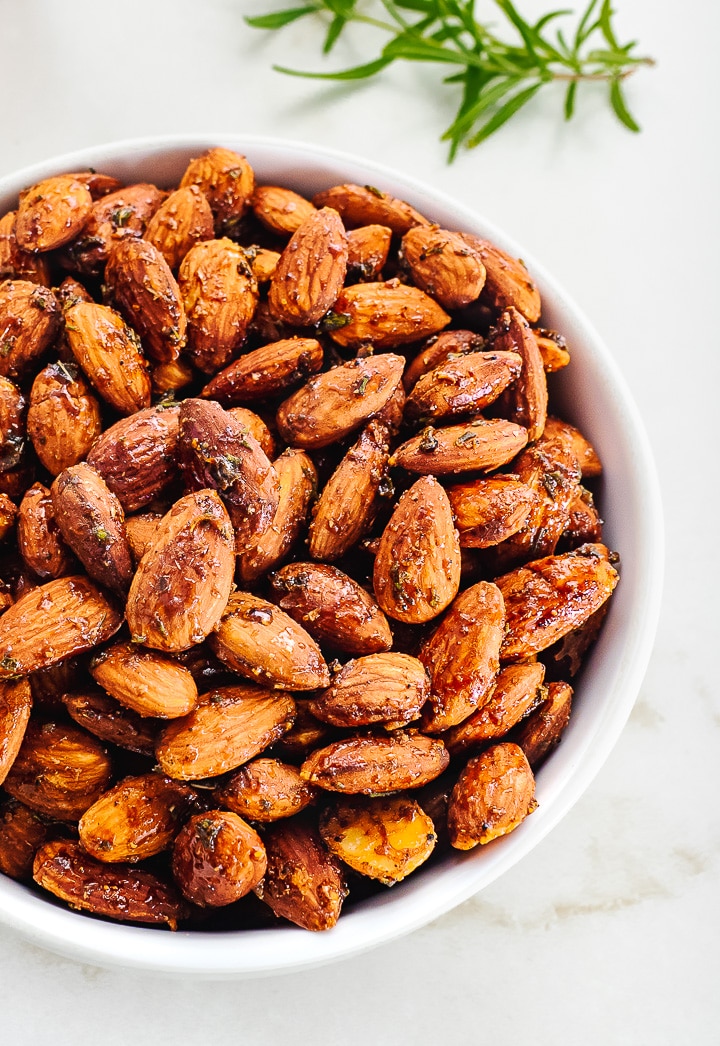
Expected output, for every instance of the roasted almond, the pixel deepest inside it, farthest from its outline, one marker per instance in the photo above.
(517, 691)
(388, 688)
(63, 418)
(265, 790)
(229, 727)
(480, 445)
(493, 795)
(438, 350)
(311, 270)
(141, 531)
(366, 205)
(581, 447)
(384, 315)
(281, 210)
(465, 385)
(182, 583)
(553, 349)
(12, 425)
(265, 372)
(117, 891)
(368, 249)
(52, 212)
(59, 771)
(145, 681)
(444, 265)
(29, 321)
(333, 608)
(109, 353)
(16, 263)
(120, 214)
(137, 818)
(179, 222)
(417, 565)
(51, 623)
(257, 428)
(261, 642)
(22, 832)
(333, 404)
(40, 542)
(106, 718)
(145, 292)
(217, 858)
(15, 705)
(525, 402)
(584, 524)
(462, 656)
(171, 376)
(220, 295)
(507, 282)
(8, 514)
(488, 511)
(370, 765)
(227, 180)
(542, 731)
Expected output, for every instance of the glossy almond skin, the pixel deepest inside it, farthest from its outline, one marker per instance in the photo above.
(109, 353)
(15, 706)
(416, 574)
(257, 428)
(465, 385)
(311, 270)
(59, 771)
(12, 424)
(442, 264)
(267, 371)
(488, 511)
(8, 514)
(577, 443)
(297, 486)
(368, 249)
(333, 608)
(137, 456)
(265, 790)
(480, 445)
(63, 418)
(384, 838)
(137, 818)
(438, 350)
(119, 215)
(525, 402)
(145, 292)
(229, 727)
(115, 891)
(52, 212)
(462, 656)
(388, 688)
(180, 221)
(171, 376)
(507, 281)
(182, 584)
(348, 502)
(39, 540)
(553, 349)
(220, 295)
(385, 315)
(227, 180)
(92, 523)
(517, 690)
(281, 210)
(550, 597)
(16, 263)
(542, 731)
(58, 620)
(369, 765)
(493, 795)
(304, 882)
(261, 642)
(215, 450)
(144, 681)
(366, 205)
(141, 531)
(106, 718)
(22, 832)
(217, 858)
(29, 321)
(330, 406)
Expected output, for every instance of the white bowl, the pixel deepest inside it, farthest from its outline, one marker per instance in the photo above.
(591, 393)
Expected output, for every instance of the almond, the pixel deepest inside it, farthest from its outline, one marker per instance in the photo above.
(550, 597)
(182, 584)
(525, 402)
(12, 425)
(114, 891)
(439, 349)
(220, 295)
(257, 428)
(22, 832)
(332, 607)
(217, 858)
(15, 705)
(118, 215)
(280, 210)
(581, 447)
(584, 523)
(8, 514)
(311, 270)
(333, 404)
(97, 183)
(368, 249)
(109, 353)
(384, 315)
(141, 531)
(106, 718)
(265, 790)
(488, 511)
(462, 656)
(145, 292)
(179, 222)
(266, 371)
(517, 691)
(29, 321)
(17, 264)
(52, 213)
(368, 765)
(137, 818)
(56, 621)
(542, 731)
(229, 727)
(263, 263)
(171, 376)
(40, 542)
(493, 795)
(417, 566)
(63, 417)
(260, 641)
(144, 681)
(479, 445)
(553, 349)
(465, 385)
(388, 688)
(59, 771)
(507, 282)
(444, 265)
(366, 205)
(227, 180)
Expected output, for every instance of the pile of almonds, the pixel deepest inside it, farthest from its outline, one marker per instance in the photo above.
(295, 566)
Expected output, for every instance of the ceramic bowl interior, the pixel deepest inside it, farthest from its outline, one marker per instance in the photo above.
(592, 394)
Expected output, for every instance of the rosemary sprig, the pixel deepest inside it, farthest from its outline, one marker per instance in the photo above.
(494, 77)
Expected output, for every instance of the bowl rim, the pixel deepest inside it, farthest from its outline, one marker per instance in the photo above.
(417, 901)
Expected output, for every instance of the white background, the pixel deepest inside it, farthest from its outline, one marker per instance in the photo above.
(608, 932)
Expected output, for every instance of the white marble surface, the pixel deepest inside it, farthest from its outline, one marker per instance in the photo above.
(608, 932)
